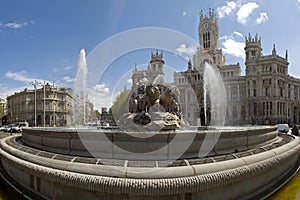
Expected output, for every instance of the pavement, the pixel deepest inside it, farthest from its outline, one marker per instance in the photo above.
(3, 135)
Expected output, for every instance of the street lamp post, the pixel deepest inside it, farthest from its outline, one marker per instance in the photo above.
(54, 122)
(44, 115)
(35, 83)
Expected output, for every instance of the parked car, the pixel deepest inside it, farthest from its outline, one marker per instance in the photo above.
(7, 128)
(283, 128)
(2, 128)
(21, 125)
(15, 129)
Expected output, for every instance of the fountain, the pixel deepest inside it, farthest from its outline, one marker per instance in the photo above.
(153, 155)
(79, 91)
(213, 85)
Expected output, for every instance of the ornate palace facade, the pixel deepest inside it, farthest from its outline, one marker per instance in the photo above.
(55, 103)
(267, 94)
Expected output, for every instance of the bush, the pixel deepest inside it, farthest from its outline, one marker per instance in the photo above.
(295, 130)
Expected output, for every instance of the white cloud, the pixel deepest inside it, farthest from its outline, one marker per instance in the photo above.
(100, 96)
(245, 11)
(68, 79)
(299, 4)
(67, 68)
(101, 88)
(17, 76)
(129, 81)
(226, 10)
(231, 46)
(234, 48)
(186, 51)
(22, 76)
(5, 91)
(238, 34)
(184, 13)
(16, 25)
(262, 18)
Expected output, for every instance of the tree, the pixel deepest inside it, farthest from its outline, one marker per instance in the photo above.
(1, 112)
(120, 106)
(98, 115)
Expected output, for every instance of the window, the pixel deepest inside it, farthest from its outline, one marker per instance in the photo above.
(234, 111)
(206, 40)
(39, 106)
(62, 106)
(253, 53)
(243, 112)
(267, 91)
(267, 108)
(255, 108)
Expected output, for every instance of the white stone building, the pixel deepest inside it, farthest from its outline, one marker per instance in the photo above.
(55, 103)
(267, 94)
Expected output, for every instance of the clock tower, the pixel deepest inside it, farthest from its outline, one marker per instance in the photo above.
(208, 31)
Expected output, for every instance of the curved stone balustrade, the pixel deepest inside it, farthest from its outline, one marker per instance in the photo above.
(106, 144)
(241, 177)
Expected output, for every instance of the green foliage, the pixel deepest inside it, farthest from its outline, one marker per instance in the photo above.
(120, 106)
(295, 130)
(98, 115)
(1, 112)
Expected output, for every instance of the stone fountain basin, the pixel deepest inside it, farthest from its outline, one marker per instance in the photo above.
(242, 175)
(115, 144)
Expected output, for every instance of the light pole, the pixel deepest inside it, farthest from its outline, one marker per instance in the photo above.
(54, 123)
(35, 83)
(44, 116)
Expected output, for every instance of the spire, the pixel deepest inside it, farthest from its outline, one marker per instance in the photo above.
(201, 15)
(248, 39)
(135, 68)
(286, 54)
(274, 50)
(157, 57)
(189, 64)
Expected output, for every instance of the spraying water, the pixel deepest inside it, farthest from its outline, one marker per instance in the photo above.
(214, 87)
(205, 101)
(159, 79)
(79, 91)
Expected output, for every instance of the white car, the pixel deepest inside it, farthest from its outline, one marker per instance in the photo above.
(16, 129)
(7, 128)
(2, 128)
(283, 128)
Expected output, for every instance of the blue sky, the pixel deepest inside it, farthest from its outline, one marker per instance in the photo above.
(41, 39)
